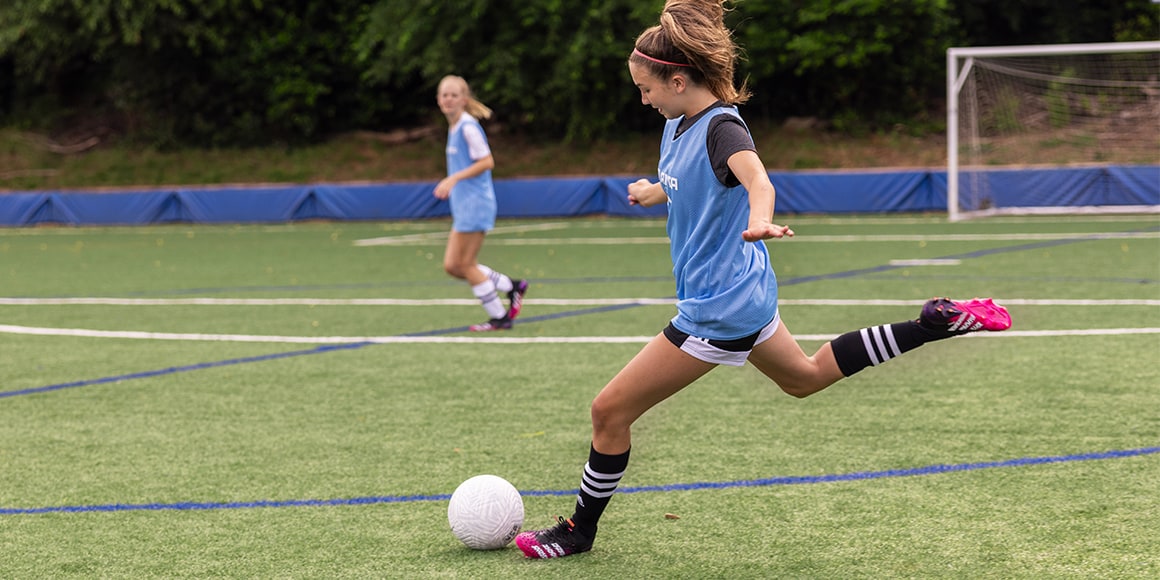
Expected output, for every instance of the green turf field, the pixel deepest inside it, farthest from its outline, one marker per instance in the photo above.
(298, 401)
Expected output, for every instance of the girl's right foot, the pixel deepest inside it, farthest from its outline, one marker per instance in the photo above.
(516, 298)
(955, 318)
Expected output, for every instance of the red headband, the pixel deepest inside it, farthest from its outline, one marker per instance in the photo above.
(657, 60)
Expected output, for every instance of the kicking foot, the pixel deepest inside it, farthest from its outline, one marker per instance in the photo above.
(955, 318)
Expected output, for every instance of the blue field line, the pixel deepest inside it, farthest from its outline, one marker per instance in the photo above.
(540, 318)
(585, 279)
(963, 256)
(525, 320)
(765, 482)
(181, 369)
(266, 357)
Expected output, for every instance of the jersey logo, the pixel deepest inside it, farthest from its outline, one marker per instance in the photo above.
(668, 181)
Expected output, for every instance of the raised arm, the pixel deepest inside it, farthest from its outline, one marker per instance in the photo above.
(747, 166)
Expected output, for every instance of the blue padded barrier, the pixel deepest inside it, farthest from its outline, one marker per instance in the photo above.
(616, 197)
(1072, 186)
(857, 191)
(1135, 184)
(549, 197)
(377, 202)
(798, 192)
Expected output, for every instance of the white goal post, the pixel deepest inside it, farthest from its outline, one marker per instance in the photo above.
(1061, 128)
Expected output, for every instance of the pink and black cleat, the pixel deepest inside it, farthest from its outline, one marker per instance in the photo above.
(516, 298)
(562, 539)
(956, 318)
(504, 323)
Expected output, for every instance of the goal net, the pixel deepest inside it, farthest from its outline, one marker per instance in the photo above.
(1053, 129)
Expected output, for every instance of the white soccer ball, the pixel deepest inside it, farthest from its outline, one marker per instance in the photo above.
(486, 512)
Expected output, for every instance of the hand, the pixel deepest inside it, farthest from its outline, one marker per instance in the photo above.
(636, 190)
(443, 188)
(763, 230)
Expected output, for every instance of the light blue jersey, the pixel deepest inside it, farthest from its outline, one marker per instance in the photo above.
(473, 205)
(726, 288)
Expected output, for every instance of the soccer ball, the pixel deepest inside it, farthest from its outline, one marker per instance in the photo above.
(486, 512)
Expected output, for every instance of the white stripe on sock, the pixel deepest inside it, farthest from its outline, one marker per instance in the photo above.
(486, 293)
(596, 474)
(869, 347)
(888, 330)
(880, 344)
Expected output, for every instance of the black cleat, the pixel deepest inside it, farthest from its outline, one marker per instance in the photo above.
(558, 541)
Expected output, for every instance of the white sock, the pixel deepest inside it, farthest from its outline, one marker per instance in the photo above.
(485, 291)
(502, 282)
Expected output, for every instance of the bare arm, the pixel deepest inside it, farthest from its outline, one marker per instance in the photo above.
(747, 166)
(443, 188)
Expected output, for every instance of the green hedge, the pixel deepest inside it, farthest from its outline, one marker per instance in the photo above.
(241, 72)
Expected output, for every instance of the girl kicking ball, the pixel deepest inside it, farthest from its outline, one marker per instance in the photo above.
(720, 204)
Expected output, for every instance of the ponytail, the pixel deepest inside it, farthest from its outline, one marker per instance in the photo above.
(692, 38)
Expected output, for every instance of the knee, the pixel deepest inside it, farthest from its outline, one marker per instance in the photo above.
(801, 381)
(802, 386)
(798, 390)
(454, 269)
(605, 417)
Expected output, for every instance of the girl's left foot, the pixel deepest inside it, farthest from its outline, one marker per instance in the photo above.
(504, 323)
(562, 539)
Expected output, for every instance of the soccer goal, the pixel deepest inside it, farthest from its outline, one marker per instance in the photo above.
(1063, 128)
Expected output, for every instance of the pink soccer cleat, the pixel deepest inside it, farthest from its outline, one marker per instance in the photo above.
(957, 318)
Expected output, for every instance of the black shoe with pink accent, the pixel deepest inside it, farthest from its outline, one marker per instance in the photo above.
(504, 323)
(562, 539)
(955, 317)
(516, 298)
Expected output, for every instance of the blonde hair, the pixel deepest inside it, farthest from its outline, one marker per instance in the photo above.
(691, 38)
(474, 108)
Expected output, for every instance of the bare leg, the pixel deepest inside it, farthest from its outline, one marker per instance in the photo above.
(657, 372)
(781, 359)
(461, 255)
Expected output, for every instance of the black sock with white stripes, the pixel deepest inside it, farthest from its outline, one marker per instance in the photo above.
(602, 474)
(875, 345)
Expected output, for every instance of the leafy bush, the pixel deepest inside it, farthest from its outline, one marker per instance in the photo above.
(241, 72)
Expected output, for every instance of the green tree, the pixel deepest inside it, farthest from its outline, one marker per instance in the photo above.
(548, 66)
(876, 60)
(236, 72)
(204, 71)
(1004, 23)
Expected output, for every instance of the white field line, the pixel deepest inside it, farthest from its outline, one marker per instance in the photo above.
(531, 301)
(429, 237)
(438, 239)
(129, 334)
